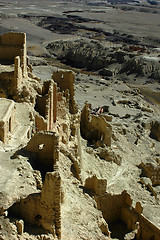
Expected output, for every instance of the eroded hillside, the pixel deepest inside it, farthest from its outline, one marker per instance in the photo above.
(70, 174)
(79, 127)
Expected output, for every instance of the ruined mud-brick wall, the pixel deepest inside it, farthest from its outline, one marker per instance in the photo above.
(46, 106)
(65, 81)
(12, 80)
(111, 206)
(95, 185)
(67, 123)
(95, 127)
(17, 73)
(50, 88)
(68, 129)
(42, 209)
(53, 114)
(13, 51)
(12, 45)
(7, 119)
(131, 215)
(53, 108)
(119, 208)
(40, 123)
(45, 149)
(64, 118)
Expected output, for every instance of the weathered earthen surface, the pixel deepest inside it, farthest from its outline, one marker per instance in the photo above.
(66, 171)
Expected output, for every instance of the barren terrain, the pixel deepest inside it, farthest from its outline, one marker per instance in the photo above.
(114, 50)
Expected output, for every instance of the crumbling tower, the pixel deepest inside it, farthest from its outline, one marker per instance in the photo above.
(13, 51)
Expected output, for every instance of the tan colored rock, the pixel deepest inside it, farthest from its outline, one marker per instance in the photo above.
(151, 170)
(95, 185)
(20, 226)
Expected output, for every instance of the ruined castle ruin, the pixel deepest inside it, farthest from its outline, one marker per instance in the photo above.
(52, 151)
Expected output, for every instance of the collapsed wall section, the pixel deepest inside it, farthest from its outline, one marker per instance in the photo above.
(111, 206)
(152, 171)
(131, 215)
(119, 208)
(11, 77)
(119, 213)
(46, 106)
(42, 209)
(44, 147)
(12, 45)
(13, 51)
(65, 81)
(7, 119)
(95, 127)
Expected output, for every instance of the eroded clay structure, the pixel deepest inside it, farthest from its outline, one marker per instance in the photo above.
(54, 140)
(94, 127)
(65, 81)
(46, 106)
(116, 208)
(56, 123)
(43, 209)
(7, 119)
(13, 60)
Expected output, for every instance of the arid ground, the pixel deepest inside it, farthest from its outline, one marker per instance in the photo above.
(114, 50)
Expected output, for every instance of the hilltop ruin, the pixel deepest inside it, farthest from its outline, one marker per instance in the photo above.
(47, 185)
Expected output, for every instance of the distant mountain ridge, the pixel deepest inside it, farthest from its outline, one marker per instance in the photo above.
(151, 2)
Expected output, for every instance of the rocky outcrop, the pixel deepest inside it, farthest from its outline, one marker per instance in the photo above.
(155, 130)
(151, 170)
(91, 55)
(95, 185)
